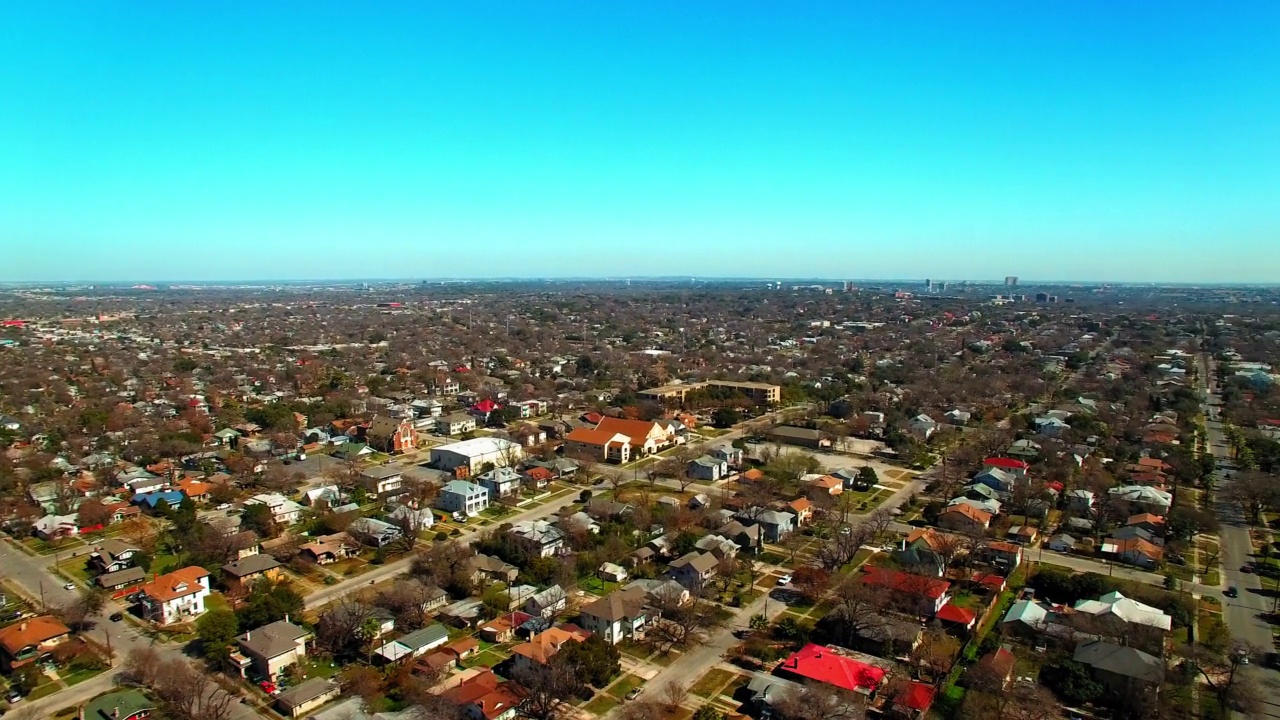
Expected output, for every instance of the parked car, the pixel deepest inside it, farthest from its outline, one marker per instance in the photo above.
(1231, 592)
(117, 617)
(13, 696)
(785, 579)
(635, 693)
(69, 586)
(460, 517)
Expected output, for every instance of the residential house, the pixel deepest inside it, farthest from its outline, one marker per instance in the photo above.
(121, 705)
(328, 549)
(886, 636)
(826, 485)
(964, 518)
(1144, 499)
(196, 490)
(464, 613)
(1004, 555)
(816, 663)
(152, 500)
(373, 532)
(912, 702)
(546, 603)
(1126, 671)
(391, 435)
(539, 537)
(30, 640)
(694, 569)
(1061, 542)
(718, 545)
(306, 696)
(619, 615)
(112, 555)
(242, 573)
(54, 527)
(729, 454)
(272, 648)
(500, 481)
(1080, 501)
(995, 669)
(919, 594)
(612, 447)
(485, 697)
(1050, 426)
(774, 525)
(958, 619)
(1153, 524)
(404, 516)
(283, 510)
(802, 508)
(455, 424)
(990, 507)
(1134, 551)
(175, 597)
(120, 579)
(382, 480)
(486, 568)
(958, 416)
(503, 628)
(707, 468)
(922, 426)
(1022, 534)
(1013, 466)
(542, 647)
(1026, 618)
(1141, 625)
(464, 497)
(1002, 481)
(414, 644)
(537, 477)
(765, 691)
(611, 572)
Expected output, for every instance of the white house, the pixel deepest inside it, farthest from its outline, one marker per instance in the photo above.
(617, 616)
(381, 480)
(501, 481)
(464, 497)
(175, 597)
(283, 510)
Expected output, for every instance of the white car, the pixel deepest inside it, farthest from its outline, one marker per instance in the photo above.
(69, 586)
(785, 579)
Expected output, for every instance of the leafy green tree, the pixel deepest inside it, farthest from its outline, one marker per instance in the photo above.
(1072, 681)
(217, 629)
(867, 476)
(258, 518)
(726, 417)
(269, 601)
(594, 661)
(707, 712)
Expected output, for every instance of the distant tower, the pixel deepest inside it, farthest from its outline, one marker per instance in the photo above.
(1011, 281)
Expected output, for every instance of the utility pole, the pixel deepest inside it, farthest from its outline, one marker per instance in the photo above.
(111, 662)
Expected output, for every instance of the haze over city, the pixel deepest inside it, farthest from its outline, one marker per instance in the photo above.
(242, 141)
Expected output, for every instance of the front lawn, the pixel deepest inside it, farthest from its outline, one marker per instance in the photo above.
(628, 683)
(79, 676)
(709, 685)
(601, 705)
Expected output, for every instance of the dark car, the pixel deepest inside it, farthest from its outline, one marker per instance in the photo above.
(1246, 568)
(1231, 592)
(117, 617)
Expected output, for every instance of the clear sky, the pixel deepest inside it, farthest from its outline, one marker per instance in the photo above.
(1050, 140)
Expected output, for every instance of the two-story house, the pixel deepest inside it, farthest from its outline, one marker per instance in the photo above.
(175, 597)
(617, 616)
(112, 555)
(455, 424)
(271, 648)
(500, 481)
(283, 510)
(707, 468)
(383, 480)
(240, 574)
(694, 569)
(464, 497)
(539, 537)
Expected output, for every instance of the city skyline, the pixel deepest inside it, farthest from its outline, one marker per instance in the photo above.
(1083, 142)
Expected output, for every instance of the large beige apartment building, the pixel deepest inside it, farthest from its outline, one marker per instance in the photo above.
(762, 393)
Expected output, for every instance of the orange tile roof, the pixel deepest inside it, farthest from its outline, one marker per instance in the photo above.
(166, 587)
(753, 474)
(800, 504)
(587, 436)
(194, 488)
(544, 645)
(31, 631)
(970, 512)
(828, 482)
(637, 430)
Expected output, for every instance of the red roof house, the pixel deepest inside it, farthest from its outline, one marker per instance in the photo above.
(822, 664)
(915, 700)
(930, 593)
(956, 615)
(1010, 464)
(486, 406)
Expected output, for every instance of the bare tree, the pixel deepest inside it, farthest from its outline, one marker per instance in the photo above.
(674, 693)
(188, 693)
(546, 688)
(680, 624)
(820, 701)
(1223, 674)
(342, 629)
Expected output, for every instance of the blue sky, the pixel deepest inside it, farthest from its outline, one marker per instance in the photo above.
(1059, 140)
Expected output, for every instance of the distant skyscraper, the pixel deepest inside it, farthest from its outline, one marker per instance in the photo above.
(1011, 281)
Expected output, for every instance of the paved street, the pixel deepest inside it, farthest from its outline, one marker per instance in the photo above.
(31, 575)
(1243, 614)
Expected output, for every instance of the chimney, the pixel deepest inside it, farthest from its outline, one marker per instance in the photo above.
(23, 626)
(248, 636)
(286, 617)
(115, 712)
